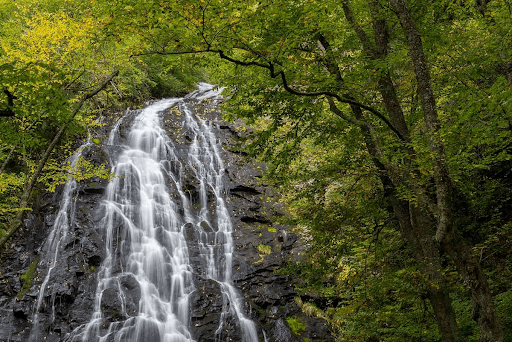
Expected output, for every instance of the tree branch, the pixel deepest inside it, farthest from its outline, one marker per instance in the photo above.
(270, 66)
(6, 161)
(363, 124)
(18, 219)
(273, 74)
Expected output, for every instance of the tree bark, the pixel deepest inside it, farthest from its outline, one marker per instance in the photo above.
(416, 227)
(6, 161)
(432, 124)
(27, 191)
(469, 268)
(414, 222)
(484, 312)
(377, 51)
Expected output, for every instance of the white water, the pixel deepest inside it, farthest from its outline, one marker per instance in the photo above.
(217, 246)
(54, 242)
(144, 231)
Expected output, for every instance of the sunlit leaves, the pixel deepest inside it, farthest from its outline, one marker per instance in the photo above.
(10, 185)
(50, 38)
(57, 173)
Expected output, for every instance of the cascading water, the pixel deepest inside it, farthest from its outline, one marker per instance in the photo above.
(216, 246)
(144, 227)
(53, 244)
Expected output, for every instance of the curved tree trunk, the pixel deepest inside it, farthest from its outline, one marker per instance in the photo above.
(425, 252)
(415, 225)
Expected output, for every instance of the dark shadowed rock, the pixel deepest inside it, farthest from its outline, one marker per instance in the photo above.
(261, 249)
(205, 309)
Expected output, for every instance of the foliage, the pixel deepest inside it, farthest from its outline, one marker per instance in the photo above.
(505, 308)
(295, 325)
(52, 53)
(10, 184)
(59, 173)
(289, 63)
(10, 187)
(286, 64)
(358, 260)
(28, 277)
(264, 249)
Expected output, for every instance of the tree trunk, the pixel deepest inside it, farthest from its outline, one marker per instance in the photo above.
(6, 161)
(432, 125)
(484, 312)
(424, 250)
(27, 191)
(457, 248)
(415, 226)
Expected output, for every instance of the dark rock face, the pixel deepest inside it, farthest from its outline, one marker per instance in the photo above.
(261, 249)
(206, 305)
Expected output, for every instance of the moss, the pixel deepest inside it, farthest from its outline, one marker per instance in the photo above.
(295, 325)
(261, 312)
(264, 249)
(272, 230)
(27, 278)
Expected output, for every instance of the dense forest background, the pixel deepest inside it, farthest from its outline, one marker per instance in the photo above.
(385, 124)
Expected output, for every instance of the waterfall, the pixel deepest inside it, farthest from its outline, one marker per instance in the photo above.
(55, 240)
(217, 245)
(146, 212)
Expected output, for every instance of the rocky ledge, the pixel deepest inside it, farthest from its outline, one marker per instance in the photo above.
(262, 249)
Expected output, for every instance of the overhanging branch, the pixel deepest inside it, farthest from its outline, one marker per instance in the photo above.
(270, 66)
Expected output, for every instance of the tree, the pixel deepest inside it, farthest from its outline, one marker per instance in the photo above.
(29, 186)
(390, 86)
(53, 57)
(365, 63)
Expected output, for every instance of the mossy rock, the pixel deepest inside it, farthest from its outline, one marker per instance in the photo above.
(296, 325)
(27, 278)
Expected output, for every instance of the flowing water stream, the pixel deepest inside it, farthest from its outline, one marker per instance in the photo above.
(58, 235)
(146, 211)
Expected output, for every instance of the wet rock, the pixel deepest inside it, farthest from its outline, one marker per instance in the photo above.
(94, 188)
(111, 305)
(246, 189)
(20, 310)
(206, 304)
(261, 248)
(280, 332)
(131, 291)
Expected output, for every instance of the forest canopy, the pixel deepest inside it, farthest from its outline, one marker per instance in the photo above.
(386, 125)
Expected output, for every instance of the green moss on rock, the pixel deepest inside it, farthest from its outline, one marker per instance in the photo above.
(295, 325)
(27, 278)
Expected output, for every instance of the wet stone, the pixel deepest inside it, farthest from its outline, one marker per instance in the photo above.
(265, 297)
